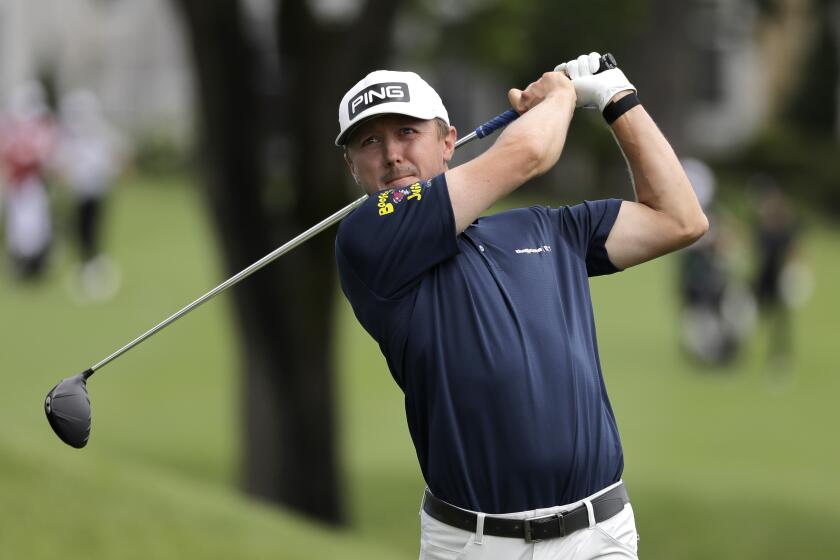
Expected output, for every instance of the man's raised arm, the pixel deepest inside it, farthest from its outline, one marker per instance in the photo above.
(666, 215)
(528, 147)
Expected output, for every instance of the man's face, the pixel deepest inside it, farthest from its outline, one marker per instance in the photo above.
(394, 151)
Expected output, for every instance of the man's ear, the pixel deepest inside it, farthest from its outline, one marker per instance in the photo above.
(449, 144)
(352, 167)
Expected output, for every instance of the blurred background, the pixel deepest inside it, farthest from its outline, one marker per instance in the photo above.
(151, 149)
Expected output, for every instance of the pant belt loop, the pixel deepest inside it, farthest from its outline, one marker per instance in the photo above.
(479, 528)
(590, 512)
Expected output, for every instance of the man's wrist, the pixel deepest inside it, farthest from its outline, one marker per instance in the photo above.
(619, 95)
(564, 95)
(620, 103)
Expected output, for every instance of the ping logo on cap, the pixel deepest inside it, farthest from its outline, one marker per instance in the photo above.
(376, 94)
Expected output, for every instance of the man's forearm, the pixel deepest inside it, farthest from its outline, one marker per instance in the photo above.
(543, 129)
(525, 149)
(658, 177)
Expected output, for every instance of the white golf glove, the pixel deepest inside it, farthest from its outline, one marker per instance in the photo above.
(594, 90)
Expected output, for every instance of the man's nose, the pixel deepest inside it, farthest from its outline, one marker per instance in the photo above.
(393, 150)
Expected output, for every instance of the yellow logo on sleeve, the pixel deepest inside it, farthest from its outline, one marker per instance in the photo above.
(387, 199)
(385, 207)
(416, 189)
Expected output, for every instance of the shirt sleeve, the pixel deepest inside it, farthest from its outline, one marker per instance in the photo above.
(586, 227)
(396, 236)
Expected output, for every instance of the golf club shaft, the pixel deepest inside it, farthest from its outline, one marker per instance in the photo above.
(494, 124)
(485, 129)
(285, 248)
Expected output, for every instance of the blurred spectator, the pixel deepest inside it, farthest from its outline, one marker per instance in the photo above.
(89, 157)
(27, 135)
(781, 281)
(716, 308)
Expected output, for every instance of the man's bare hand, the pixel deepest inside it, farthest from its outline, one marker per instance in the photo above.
(549, 85)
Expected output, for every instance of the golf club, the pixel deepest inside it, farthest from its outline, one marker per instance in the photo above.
(68, 405)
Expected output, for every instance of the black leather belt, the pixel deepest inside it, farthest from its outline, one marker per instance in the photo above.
(533, 529)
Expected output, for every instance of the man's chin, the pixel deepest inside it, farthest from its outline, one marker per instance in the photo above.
(391, 185)
(399, 183)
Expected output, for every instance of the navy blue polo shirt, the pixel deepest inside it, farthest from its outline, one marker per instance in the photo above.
(490, 335)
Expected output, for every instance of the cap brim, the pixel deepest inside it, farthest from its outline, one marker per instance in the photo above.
(384, 109)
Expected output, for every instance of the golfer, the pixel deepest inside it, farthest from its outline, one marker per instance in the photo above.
(486, 322)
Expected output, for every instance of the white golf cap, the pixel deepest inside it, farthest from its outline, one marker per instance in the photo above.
(387, 91)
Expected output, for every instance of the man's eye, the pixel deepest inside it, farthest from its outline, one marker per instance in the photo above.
(369, 140)
(408, 130)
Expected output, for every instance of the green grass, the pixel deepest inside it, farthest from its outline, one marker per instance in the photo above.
(732, 463)
(719, 464)
(158, 478)
(97, 505)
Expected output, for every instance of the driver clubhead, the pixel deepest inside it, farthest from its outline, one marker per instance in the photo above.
(68, 410)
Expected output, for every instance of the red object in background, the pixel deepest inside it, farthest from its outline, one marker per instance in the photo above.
(25, 147)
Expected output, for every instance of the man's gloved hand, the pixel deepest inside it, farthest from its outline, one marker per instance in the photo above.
(594, 90)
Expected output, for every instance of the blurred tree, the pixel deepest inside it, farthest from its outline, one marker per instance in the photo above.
(285, 312)
(814, 103)
(798, 147)
(528, 37)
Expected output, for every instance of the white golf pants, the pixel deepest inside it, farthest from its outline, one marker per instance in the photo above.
(612, 539)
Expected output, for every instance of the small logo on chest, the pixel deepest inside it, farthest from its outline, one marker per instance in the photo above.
(533, 250)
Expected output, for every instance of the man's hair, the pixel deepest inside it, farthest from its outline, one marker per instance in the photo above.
(443, 128)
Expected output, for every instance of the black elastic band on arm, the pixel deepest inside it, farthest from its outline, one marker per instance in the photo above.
(615, 109)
